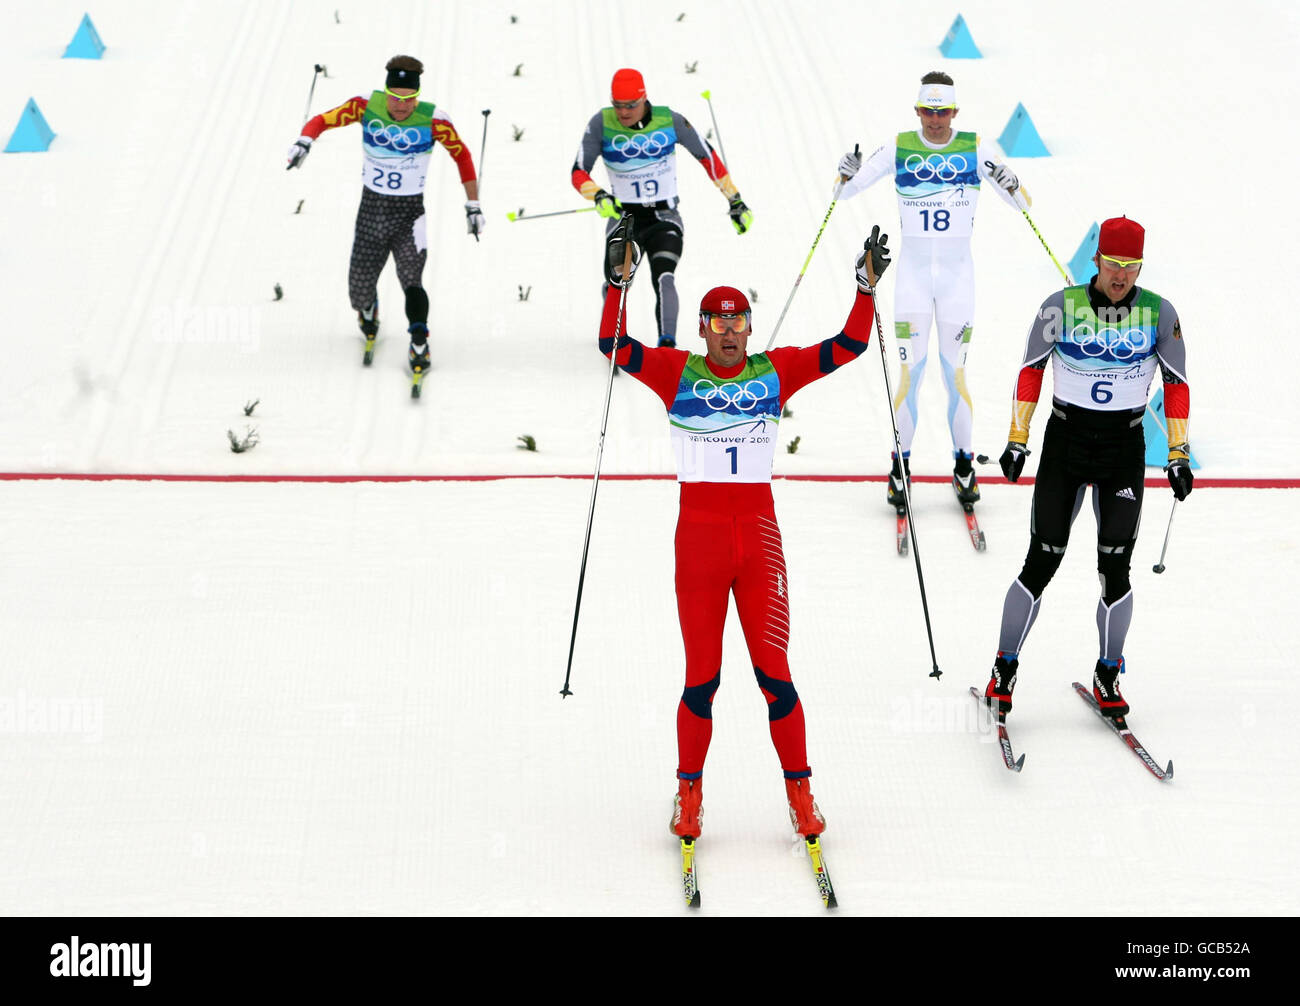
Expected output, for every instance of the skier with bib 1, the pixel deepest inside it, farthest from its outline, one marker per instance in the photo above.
(398, 132)
(937, 173)
(723, 410)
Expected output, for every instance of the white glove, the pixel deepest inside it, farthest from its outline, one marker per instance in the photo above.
(474, 219)
(1004, 177)
(849, 165)
(299, 151)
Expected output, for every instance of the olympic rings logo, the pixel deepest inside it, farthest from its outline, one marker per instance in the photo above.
(1120, 343)
(719, 397)
(647, 144)
(946, 169)
(392, 135)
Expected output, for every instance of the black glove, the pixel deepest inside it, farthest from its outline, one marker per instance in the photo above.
(1013, 460)
(616, 245)
(741, 216)
(1180, 477)
(874, 259)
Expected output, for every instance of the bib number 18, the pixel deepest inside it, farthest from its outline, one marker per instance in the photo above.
(941, 220)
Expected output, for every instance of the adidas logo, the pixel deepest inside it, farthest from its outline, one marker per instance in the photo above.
(1126, 494)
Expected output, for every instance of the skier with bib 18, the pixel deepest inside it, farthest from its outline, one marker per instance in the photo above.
(637, 142)
(398, 132)
(937, 173)
(723, 410)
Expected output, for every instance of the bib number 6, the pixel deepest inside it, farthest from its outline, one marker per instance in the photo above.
(1101, 393)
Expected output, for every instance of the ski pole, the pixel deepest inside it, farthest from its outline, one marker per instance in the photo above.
(481, 150)
(512, 217)
(1059, 268)
(307, 114)
(907, 490)
(707, 96)
(799, 279)
(1160, 566)
(625, 224)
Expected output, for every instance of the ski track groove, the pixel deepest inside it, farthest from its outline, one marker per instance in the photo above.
(128, 334)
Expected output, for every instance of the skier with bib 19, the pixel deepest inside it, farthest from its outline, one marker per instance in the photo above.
(723, 410)
(937, 173)
(637, 142)
(398, 132)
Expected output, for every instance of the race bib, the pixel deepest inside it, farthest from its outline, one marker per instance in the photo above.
(649, 184)
(394, 176)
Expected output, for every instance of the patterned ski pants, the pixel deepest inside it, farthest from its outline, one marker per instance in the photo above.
(385, 224)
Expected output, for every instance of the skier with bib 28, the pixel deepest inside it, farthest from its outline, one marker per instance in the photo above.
(398, 132)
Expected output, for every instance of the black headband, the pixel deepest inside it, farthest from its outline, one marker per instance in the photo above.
(403, 78)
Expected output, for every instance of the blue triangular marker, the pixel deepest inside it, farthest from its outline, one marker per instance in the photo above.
(1081, 267)
(1157, 439)
(1020, 138)
(85, 44)
(32, 133)
(958, 44)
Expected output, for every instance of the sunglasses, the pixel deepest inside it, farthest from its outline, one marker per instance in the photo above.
(402, 97)
(627, 106)
(738, 323)
(1123, 264)
(931, 113)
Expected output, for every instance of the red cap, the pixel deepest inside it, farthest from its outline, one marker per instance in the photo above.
(1121, 237)
(627, 85)
(724, 300)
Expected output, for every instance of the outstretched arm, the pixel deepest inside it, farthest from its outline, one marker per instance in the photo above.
(659, 369)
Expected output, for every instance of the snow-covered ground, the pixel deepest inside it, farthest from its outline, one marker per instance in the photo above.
(286, 698)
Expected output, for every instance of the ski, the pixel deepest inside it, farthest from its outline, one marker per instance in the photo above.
(690, 881)
(368, 357)
(417, 380)
(900, 531)
(972, 523)
(1004, 739)
(973, 527)
(1120, 727)
(820, 874)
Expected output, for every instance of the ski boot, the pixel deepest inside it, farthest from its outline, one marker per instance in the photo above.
(688, 812)
(895, 494)
(963, 480)
(1105, 688)
(369, 324)
(804, 815)
(1002, 683)
(418, 356)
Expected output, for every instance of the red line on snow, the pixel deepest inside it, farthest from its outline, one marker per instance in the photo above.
(1154, 482)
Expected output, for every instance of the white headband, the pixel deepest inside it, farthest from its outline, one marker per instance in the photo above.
(937, 96)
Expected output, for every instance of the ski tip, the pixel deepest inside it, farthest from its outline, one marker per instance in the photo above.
(1169, 773)
(1018, 764)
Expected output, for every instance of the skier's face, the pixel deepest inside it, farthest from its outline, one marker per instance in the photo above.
(1116, 277)
(629, 112)
(726, 347)
(402, 102)
(936, 123)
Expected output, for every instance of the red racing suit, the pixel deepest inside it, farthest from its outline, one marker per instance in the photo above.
(728, 541)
